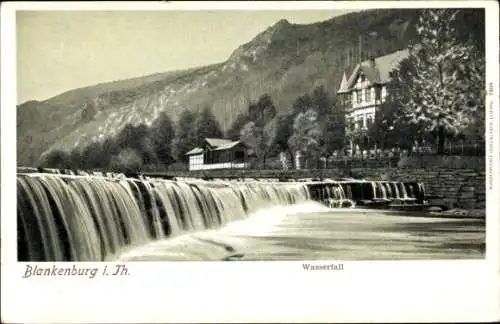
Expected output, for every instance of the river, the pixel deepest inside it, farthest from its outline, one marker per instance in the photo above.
(97, 218)
(298, 233)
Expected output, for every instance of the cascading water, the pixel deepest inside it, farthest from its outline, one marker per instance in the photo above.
(350, 193)
(91, 218)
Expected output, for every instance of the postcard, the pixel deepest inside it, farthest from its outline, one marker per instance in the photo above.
(255, 162)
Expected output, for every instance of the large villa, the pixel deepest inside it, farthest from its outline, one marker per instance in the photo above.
(366, 88)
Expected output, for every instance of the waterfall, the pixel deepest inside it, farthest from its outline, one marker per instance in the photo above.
(388, 187)
(403, 191)
(350, 193)
(68, 217)
(381, 185)
(396, 189)
(347, 188)
(332, 194)
(374, 189)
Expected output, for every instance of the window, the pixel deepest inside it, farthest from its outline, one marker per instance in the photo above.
(377, 93)
(358, 95)
(368, 94)
(369, 120)
(359, 123)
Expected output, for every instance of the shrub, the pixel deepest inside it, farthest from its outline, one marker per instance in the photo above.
(56, 159)
(127, 160)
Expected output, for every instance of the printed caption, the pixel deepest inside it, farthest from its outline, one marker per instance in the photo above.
(32, 271)
(323, 267)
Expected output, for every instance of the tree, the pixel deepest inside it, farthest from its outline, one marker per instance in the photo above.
(251, 134)
(127, 160)
(206, 126)
(476, 99)
(391, 128)
(267, 109)
(92, 156)
(138, 139)
(131, 136)
(306, 134)
(443, 94)
(321, 101)
(266, 145)
(109, 147)
(284, 130)
(331, 121)
(333, 130)
(76, 159)
(262, 111)
(302, 104)
(185, 138)
(254, 114)
(259, 139)
(240, 121)
(56, 159)
(162, 136)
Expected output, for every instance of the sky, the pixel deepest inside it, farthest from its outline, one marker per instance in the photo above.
(63, 50)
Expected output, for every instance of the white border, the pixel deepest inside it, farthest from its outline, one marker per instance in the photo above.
(252, 291)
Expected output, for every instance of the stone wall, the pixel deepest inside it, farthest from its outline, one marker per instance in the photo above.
(460, 188)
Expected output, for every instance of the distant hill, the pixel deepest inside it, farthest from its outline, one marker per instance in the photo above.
(286, 60)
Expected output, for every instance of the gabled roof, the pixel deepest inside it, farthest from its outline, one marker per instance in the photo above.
(343, 84)
(386, 64)
(378, 73)
(196, 150)
(216, 142)
(227, 146)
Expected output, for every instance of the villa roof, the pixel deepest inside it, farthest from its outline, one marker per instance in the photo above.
(343, 84)
(378, 73)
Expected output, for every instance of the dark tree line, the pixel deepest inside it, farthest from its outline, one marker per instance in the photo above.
(139, 147)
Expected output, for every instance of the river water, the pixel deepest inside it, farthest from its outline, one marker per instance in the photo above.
(310, 231)
(96, 218)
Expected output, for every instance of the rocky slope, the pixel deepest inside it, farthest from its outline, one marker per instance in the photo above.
(285, 60)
